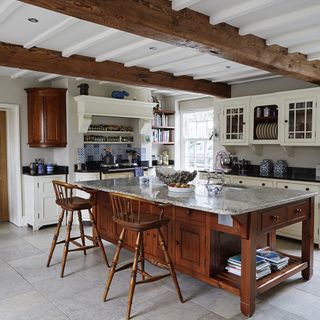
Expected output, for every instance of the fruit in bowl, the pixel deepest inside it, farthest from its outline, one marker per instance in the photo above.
(180, 185)
(171, 176)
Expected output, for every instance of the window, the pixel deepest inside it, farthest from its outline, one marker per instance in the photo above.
(196, 148)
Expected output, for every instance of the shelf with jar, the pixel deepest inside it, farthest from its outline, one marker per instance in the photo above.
(163, 127)
(94, 139)
(109, 129)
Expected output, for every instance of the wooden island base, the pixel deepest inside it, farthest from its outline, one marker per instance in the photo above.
(200, 244)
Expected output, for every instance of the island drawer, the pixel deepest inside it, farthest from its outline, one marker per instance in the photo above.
(298, 210)
(190, 215)
(273, 218)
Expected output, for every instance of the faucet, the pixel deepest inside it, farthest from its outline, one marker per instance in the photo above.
(223, 158)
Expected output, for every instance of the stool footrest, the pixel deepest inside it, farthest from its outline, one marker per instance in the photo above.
(124, 267)
(154, 278)
(82, 248)
(159, 264)
(90, 238)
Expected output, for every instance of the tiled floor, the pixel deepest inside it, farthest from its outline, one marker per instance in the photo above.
(30, 291)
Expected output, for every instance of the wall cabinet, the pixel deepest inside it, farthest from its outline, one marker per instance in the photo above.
(39, 200)
(234, 120)
(287, 118)
(47, 117)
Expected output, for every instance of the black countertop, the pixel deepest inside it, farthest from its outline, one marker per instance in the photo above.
(57, 170)
(293, 173)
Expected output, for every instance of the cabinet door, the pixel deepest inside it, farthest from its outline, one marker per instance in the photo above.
(55, 120)
(234, 124)
(190, 246)
(294, 231)
(35, 120)
(48, 211)
(300, 120)
(253, 182)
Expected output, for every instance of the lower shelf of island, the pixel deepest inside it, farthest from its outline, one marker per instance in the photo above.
(232, 282)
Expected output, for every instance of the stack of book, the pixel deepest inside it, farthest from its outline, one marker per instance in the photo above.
(277, 261)
(262, 266)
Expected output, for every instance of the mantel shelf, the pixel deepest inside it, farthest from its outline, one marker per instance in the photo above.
(109, 132)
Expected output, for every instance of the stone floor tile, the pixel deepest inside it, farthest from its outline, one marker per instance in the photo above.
(9, 239)
(17, 251)
(27, 306)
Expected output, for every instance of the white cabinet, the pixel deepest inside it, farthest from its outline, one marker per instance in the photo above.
(234, 120)
(117, 175)
(294, 231)
(253, 181)
(300, 121)
(85, 176)
(39, 204)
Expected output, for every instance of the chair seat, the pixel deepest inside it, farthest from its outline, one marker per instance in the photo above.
(147, 222)
(74, 203)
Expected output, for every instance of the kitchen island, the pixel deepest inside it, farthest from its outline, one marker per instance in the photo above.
(204, 231)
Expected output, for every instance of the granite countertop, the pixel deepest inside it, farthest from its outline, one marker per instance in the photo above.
(231, 201)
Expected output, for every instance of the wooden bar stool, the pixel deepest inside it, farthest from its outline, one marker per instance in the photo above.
(127, 213)
(69, 203)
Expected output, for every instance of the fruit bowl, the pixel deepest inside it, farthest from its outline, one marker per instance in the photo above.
(170, 176)
(181, 189)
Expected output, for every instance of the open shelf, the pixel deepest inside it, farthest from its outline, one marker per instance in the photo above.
(105, 142)
(226, 279)
(171, 143)
(166, 112)
(109, 132)
(163, 127)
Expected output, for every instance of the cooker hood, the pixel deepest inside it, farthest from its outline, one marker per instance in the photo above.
(88, 106)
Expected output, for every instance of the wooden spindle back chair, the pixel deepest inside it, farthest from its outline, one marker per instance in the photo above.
(70, 203)
(130, 214)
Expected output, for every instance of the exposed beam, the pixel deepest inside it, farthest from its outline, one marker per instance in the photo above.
(244, 8)
(50, 61)
(279, 20)
(171, 64)
(309, 47)
(68, 22)
(48, 77)
(169, 51)
(89, 42)
(155, 19)
(20, 74)
(123, 49)
(7, 8)
(181, 4)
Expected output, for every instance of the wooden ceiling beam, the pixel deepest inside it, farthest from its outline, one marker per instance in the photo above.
(53, 62)
(155, 19)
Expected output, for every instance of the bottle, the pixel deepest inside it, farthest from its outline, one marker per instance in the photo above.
(165, 158)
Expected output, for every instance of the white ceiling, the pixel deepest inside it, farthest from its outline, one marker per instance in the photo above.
(293, 24)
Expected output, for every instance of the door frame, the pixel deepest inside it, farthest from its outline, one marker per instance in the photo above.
(14, 163)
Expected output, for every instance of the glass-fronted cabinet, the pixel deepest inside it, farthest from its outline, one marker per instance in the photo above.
(234, 122)
(300, 120)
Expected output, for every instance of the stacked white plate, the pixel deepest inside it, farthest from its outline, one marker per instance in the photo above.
(266, 131)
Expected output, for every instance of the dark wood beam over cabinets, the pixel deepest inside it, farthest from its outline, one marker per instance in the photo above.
(49, 61)
(155, 19)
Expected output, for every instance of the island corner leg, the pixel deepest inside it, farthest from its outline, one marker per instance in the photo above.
(307, 246)
(248, 290)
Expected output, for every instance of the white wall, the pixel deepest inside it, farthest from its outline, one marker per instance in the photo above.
(303, 156)
(12, 91)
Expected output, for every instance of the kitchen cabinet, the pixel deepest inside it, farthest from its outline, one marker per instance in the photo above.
(117, 175)
(234, 120)
(291, 231)
(189, 241)
(39, 200)
(300, 121)
(47, 117)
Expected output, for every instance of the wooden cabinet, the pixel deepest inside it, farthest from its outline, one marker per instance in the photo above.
(190, 239)
(39, 200)
(47, 117)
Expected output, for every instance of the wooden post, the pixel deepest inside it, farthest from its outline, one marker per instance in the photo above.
(307, 241)
(248, 267)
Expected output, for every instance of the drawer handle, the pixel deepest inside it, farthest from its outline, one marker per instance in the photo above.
(307, 189)
(263, 184)
(189, 212)
(275, 218)
(286, 187)
(240, 181)
(178, 243)
(298, 211)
